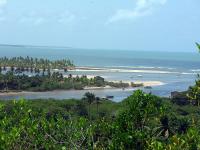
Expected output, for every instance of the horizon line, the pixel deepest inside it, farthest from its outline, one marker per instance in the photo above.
(68, 47)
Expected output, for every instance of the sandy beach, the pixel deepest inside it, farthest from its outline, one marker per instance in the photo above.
(149, 83)
(145, 83)
(91, 76)
(85, 69)
(98, 88)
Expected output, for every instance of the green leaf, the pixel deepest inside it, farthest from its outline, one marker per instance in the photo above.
(198, 45)
(63, 148)
(29, 110)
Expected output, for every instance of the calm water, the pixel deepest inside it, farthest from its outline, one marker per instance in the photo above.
(176, 70)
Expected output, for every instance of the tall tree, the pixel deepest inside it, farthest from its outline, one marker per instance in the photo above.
(90, 98)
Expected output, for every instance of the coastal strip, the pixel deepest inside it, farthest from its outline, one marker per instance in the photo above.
(145, 84)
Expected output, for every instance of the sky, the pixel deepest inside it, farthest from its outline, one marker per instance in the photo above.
(158, 25)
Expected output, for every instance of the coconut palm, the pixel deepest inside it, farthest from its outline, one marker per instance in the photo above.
(28, 62)
(198, 45)
(12, 69)
(90, 98)
(164, 131)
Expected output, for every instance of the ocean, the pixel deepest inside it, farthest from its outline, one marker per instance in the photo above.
(177, 70)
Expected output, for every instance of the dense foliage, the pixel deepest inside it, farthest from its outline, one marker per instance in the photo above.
(194, 91)
(142, 121)
(33, 64)
(51, 81)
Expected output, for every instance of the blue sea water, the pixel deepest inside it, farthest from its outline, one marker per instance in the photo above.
(102, 58)
(177, 70)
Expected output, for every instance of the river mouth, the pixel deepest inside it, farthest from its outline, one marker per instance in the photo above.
(177, 70)
(160, 84)
(118, 94)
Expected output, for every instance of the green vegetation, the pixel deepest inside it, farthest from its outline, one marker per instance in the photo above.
(29, 64)
(194, 91)
(11, 81)
(32, 74)
(198, 46)
(142, 121)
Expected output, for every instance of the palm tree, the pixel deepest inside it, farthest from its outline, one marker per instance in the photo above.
(27, 62)
(31, 69)
(90, 98)
(35, 70)
(198, 46)
(8, 78)
(164, 131)
(65, 69)
(49, 72)
(12, 69)
(70, 76)
(4, 68)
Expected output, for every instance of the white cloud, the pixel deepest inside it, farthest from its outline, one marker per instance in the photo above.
(32, 18)
(35, 18)
(39, 21)
(66, 17)
(32, 21)
(2, 19)
(3, 3)
(142, 8)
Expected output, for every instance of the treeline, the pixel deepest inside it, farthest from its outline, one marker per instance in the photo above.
(142, 121)
(33, 64)
(51, 81)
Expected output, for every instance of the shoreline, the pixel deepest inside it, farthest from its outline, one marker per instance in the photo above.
(14, 93)
(92, 76)
(147, 70)
(145, 83)
(142, 84)
(123, 70)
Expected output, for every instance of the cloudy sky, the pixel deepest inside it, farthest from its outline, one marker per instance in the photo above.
(164, 25)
